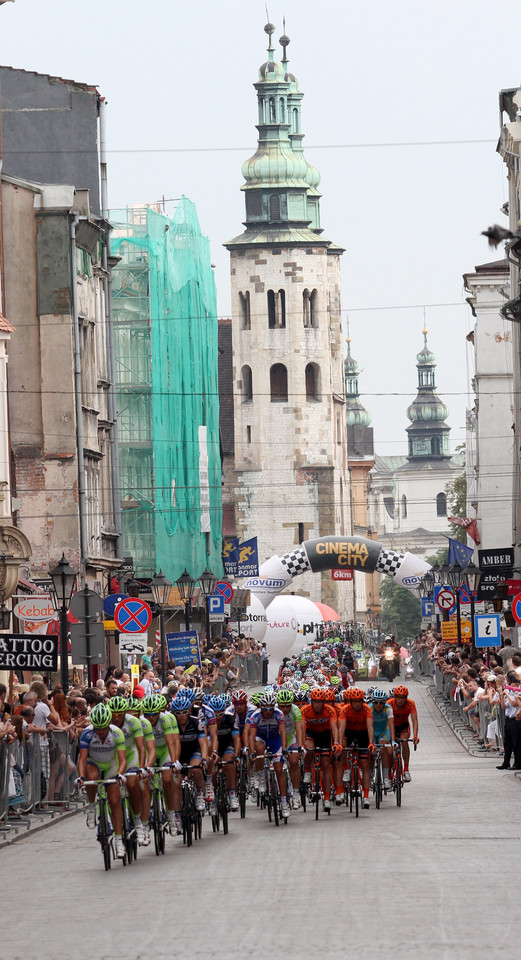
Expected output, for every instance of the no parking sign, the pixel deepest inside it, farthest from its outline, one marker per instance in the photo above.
(516, 608)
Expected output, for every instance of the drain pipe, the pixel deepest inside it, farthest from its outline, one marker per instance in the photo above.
(73, 223)
(107, 286)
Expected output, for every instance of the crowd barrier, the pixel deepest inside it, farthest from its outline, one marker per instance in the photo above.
(486, 714)
(36, 779)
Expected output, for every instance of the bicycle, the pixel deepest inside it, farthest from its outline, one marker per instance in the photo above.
(303, 787)
(378, 778)
(397, 778)
(353, 786)
(191, 817)
(158, 818)
(316, 793)
(128, 831)
(221, 797)
(242, 784)
(105, 831)
(271, 799)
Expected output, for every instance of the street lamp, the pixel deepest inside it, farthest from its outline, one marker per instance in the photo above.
(63, 579)
(160, 587)
(207, 582)
(473, 576)
(456, 577)
(186, 585)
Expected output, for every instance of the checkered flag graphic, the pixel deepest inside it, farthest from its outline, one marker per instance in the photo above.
(296, 562)
(389, 562)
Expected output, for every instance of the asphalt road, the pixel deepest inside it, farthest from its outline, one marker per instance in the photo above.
(436, 878)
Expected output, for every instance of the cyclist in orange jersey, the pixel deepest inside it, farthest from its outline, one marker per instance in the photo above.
(403, 710)
(355, 725)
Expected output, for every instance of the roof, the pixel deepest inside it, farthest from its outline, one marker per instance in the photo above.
(495, 266)
(5, 326)
(49, 76)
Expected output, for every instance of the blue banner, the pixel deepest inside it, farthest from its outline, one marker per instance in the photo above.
(458, 553)
(183, 648)
(248, 565)
(230, 555)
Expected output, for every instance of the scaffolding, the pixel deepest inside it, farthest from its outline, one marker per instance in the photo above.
(165, 344)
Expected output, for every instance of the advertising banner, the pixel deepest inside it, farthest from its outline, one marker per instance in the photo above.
(411, 572)
(183, 647)
(273, 577)
(248, 562)
(343, 552)
(230, 556)
(19, 652)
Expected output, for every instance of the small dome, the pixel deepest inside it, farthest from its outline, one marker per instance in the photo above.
(274, 164)
(273, 72)
(424, 412)
(350, 364)
(425, 356)
(357, 416)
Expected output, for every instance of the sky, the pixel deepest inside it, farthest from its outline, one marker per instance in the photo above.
(381, 82)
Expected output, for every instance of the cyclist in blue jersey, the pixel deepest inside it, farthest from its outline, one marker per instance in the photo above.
(203, 712)
(241, 709)
(265, 729)
(383, 723)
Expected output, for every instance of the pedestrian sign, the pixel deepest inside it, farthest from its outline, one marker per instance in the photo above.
(487, 630)
(132, 616)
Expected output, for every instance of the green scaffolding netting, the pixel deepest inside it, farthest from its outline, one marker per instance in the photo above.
(165, 323)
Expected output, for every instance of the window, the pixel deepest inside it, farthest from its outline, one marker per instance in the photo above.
(244, 307)
(435, 446)
(272, 110)
(247, 385)
(276, 309)
(338, 428)
(295, 120)
(404, 506)
(312, 375)
(309, 308)
(441, 505)
(282, 110)
(275, 207)
(248, 434)
(278, 383)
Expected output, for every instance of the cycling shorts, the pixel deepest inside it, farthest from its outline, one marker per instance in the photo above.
(293, 746)
(106, 768)
(274, 744)
(225, 750)
(162, 756)
(360, 737)
(320, 738)
(402, 733)
(190, 750)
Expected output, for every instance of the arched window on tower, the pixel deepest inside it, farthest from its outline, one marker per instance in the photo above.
(274, 207)
(282, 110)
(295, 121)
(404, 506)
(278, 383)
(309, 308)
(441, 505)
(244, 307)
(272, 110)
(435, 446)
(276, 309)
(261, 109)
(247, 385)
(312, 375)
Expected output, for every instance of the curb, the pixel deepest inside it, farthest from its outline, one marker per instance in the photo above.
(7, 840)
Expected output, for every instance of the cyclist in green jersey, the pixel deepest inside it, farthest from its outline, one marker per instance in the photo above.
(103, 757)
(135, 708)
(168, 749)
(295, 739)
(135, 749)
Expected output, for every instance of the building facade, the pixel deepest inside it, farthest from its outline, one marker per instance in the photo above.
(290, 472)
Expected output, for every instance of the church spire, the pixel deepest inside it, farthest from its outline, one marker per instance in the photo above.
(428, 433)
(358, 419)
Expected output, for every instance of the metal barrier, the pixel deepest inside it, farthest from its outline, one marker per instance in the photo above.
(426, 667)
(62, 768)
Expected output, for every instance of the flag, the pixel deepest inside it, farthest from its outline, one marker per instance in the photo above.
(470, 526)
(459, 553)
(230, 555)
(248, 565)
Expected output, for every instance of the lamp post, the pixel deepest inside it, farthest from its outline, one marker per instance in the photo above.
(63, 579)
(207, 582)
(186, 586)
(160, 587)
(456, 577)
(473, 576)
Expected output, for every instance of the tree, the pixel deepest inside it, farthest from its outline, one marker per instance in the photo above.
(401, 610)
(456, 491)
(440, 557)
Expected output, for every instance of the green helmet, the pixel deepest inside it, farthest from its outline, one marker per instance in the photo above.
(118, 704)
(135, 705)
(334, 681)
(100, 715)
(304, 662)
(305, 687)
(285, 696)
(255, 697)
(154, 704)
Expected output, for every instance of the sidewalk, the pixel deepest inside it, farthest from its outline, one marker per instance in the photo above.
(26, 825)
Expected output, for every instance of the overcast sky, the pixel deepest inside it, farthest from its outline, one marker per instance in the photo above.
(178, 80)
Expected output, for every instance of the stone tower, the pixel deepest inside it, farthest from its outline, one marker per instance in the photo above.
(290, 465)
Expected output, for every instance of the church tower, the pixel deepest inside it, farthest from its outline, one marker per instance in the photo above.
(290, 462)
(428, 433)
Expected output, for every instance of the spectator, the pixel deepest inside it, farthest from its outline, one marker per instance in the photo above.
(510, 700)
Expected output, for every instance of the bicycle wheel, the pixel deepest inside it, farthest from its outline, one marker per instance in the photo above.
(127, 827)
(303, 789)
(163, 820)
(398, 782)
(316, 792)
(187, 815)
(103, 834)
(378, 785)
(242, 788)
(156, 820)
(222, 800)
(356, 791)
(274, 797)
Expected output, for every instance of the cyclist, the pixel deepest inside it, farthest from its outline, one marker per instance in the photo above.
(103, 757)
(135, 707)
(355, 725)
(168, 750)
(265, 729)
(194, 749)
(228, 744)
(403, 708)
(294, 739)
(241, 710)
(321, 733)
(383, 725)
(135, 749)
(202, 710)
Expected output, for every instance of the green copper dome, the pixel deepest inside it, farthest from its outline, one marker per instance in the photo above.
(356, 414)
(428, 433)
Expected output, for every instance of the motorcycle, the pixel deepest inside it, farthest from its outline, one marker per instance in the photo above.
(389, 664)
(409, 670)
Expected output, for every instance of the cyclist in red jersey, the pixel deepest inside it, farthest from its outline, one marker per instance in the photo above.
(321, 732)
(355, 725)
(403, 709)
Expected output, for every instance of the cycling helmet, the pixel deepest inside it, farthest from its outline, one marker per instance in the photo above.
(301, 697)
(285, 696)
(379, 695)
(401, 691)
(227, 698)
(298, 674)
(330, 695)
(339, 695)
(304, 663)
(334, 681)
(198, 694)
(305, 687)
(118, 704)
(181, 702)
(286, 672)
(135, 705)
(100, 716)
(154, 704)
(218, 703)
(347, 694)
(319, 694)
(239, 696)
(255, 697)
(189, 692)
(267, 701)
(356, 693)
